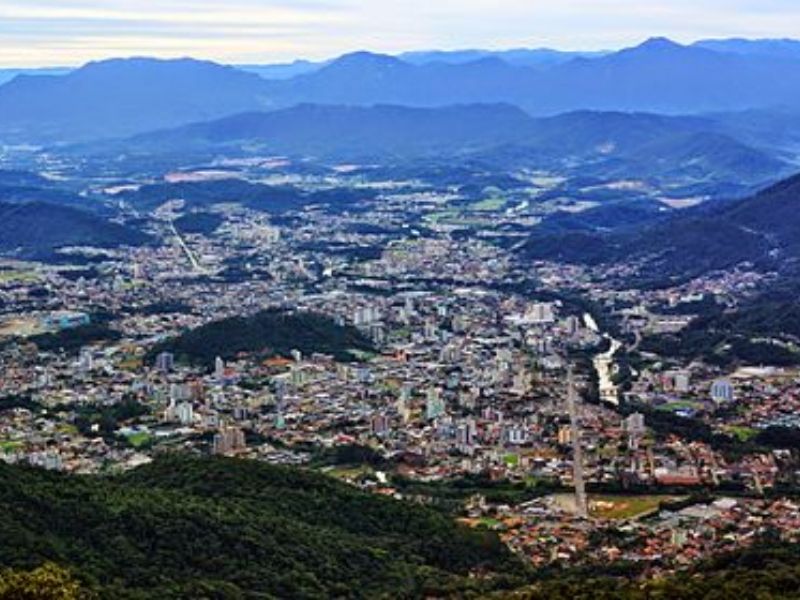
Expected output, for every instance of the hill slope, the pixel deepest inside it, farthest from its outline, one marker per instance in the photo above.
(188, 528)
(36, 229)
(269, 332)
(762, 229)
(613, 144)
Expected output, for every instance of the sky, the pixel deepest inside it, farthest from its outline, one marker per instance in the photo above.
(72, 32)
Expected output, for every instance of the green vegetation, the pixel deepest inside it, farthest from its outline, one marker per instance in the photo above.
(8, 446)
(186, 527)
(489, 205)
(48, 582)
(725, 339)
(268, 333)
(36, 229)
(72, 340)
(204, 223)
(18, 401)
(106, 418)
(743, 434)
(140, 439)
(18, 276)
(203, 194)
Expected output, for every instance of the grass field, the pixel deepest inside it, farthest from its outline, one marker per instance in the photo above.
(346, 472)
(442, 215)
(743, 434)
(625, 507)
(18, 277)
(139, 439)
(488, 205)
(680, 405)
(7, 446)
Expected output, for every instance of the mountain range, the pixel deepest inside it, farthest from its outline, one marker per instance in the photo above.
(123, 96)
(117, 98)
(615, 145)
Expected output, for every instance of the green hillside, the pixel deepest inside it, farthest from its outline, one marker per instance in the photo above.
(187, 527)
(269, 333)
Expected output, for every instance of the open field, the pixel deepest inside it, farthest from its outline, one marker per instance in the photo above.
(616, 506)
(19, 327)
(625, 507)
(489, 205)
(18, 277)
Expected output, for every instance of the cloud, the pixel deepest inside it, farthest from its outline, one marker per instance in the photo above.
(35, 32)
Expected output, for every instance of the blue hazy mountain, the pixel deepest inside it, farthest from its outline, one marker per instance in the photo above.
(605, 144)
(348, 131)
(122, 97)
(658, 76)
(7, 75)
(522, 57)
(775, 48)
(283, 70)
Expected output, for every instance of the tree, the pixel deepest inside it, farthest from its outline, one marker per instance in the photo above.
(48, 582)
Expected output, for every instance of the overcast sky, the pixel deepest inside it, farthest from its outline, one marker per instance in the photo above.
(70, 32)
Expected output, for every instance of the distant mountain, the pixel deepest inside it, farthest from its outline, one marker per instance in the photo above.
(606, 144)
(9, 74)
(656, 76)
(775, 48)
(522, 57)
(283, 70)
(350, 131)
(37, 229)
(121, 97)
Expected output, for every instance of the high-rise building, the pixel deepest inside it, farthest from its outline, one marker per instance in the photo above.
(165, 362)
(722, 391)
(380, 425)
(434, 405)
(229, 440)
(185, 413)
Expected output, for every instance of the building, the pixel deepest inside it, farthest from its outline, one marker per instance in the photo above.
(229, 440)
(165, 362)
(722, 391)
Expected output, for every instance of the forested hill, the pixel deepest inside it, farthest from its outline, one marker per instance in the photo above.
(268, 333)
(762, 229)
(187, 527)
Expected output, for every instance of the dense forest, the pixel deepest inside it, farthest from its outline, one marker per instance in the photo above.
(204, 223)
(192, 527)
(270, 333)
(185, 527)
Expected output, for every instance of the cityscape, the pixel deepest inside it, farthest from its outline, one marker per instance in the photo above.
(561, 337)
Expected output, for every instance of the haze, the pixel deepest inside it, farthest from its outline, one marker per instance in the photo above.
(71, 32)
